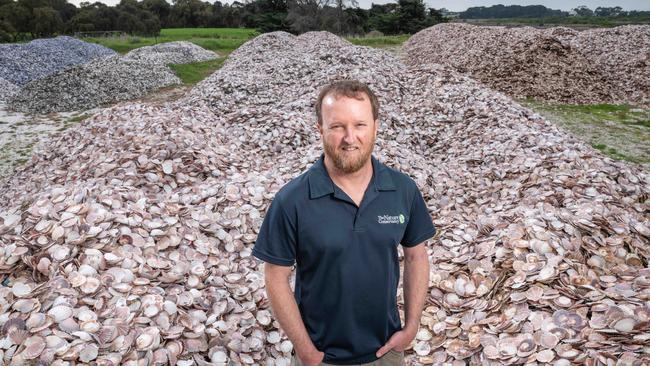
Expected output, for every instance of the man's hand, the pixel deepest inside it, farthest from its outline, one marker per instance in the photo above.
(286, 311)
(397, 342)
(312, 358)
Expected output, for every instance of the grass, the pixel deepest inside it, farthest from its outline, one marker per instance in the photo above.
(78, 118)
(379, 42)
(191, 74)
(621, 132)
(225, 33)
(214, 39)
(72, 120)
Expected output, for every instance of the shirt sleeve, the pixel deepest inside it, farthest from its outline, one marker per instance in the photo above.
(276, 242)
(419, 227)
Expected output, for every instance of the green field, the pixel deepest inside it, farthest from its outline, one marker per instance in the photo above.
(215, 39)
(379, 42)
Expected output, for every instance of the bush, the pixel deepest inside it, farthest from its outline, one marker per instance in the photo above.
(5, 37)
(374, 33)
(6, 30)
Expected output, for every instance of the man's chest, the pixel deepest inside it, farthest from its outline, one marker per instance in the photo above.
(331, 227)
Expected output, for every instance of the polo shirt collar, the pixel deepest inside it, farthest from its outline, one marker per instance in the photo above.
(320, 183)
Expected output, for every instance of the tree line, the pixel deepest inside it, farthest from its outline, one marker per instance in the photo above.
(540, 11)
(25, 19)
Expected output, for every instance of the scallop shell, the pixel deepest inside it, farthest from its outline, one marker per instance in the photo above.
(32, 347)
(88, 353)
(60, 313)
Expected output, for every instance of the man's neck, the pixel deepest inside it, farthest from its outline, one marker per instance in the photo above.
(356, 180)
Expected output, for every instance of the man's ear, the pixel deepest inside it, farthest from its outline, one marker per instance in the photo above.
(319, 127)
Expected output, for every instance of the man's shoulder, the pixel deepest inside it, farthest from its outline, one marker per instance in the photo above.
(295, 189)
(402, 181)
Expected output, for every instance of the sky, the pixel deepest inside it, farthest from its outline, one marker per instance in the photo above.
(461, 5)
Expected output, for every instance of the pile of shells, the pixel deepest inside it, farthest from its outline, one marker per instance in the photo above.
(99, 82)
(22, 63)
(181, 52)
(555, 64)
(622, 54)
(128, 239)
(7, 89)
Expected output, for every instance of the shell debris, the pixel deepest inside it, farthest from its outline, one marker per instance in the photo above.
(128, 239)
(555, 64)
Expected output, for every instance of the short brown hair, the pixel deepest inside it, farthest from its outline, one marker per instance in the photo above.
(347, 88)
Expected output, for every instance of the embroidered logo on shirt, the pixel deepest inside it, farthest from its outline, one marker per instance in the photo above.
(388, 219)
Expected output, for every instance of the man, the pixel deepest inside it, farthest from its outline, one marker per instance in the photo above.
(341, 222)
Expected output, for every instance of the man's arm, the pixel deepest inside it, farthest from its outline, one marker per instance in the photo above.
(416, 286)
(286, 312)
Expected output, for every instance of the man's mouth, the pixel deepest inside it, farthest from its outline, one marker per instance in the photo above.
(350, 148)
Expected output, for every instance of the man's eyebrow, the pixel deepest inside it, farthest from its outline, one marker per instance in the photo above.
(357, 121)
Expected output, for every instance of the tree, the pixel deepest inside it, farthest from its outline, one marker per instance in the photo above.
(160, 8)
(232, 14)
(356, 21)
(150, 22)
(387, 23)
(46, 21)
(17, 16)
(306, 15)
(33, 4)
(65, 9)
(84, 20)
(583, 11)
(7, 31)
(411, 16)
(436, 15)
(328, 15)
(510, 11)
(105, 18)
(403, 17)
(609, 12)
(340, 16)
(190, 13)
(129, 23)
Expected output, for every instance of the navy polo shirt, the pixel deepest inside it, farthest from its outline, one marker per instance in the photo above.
(347, 270)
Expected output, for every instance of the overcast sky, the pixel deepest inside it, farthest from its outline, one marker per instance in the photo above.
(461, 5)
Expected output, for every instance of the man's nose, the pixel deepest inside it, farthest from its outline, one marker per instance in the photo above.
(349, 136)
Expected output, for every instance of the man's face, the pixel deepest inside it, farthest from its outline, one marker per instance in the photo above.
(348, 131)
